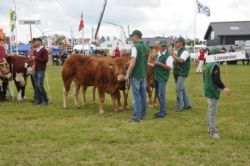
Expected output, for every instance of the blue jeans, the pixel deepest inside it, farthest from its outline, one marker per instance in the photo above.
(181, 93)
(160, 87)
(140, 100)
(41, 95)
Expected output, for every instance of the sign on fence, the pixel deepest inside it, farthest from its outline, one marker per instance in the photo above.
(229, 56)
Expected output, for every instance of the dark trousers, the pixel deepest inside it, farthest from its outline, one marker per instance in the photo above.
(3, 88)
(40, 93)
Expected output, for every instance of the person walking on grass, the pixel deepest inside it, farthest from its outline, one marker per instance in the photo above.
(40, 58)
(162, 66)
(137, 73)
(181, 71)
(212, 88)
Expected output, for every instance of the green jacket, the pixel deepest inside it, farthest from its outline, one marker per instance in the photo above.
(141, 61)
(211, 90)
(182, 69)
(161, 74)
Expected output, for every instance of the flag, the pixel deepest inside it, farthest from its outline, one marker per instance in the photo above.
(81, 26)
(12, 20)
(203, 9)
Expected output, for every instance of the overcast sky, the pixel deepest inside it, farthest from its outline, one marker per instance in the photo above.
(152, 17)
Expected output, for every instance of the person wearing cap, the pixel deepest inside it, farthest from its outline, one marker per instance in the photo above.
(181, 71)
(137, 72)
(212, 88)
(40, 58)
(162, 66)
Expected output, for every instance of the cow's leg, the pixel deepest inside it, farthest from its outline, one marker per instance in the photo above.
(115, 97)
(19, 91)
(76, 92)
(66, 92)
(101, 92)
(84, 89)
(23, 92)
(93, 93)
(118, 98)
(149, 91)
(10, 92)
(125, 95)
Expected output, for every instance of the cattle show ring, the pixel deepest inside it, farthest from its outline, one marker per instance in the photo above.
(125, 83)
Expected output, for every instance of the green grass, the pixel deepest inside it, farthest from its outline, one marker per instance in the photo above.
(34, 135)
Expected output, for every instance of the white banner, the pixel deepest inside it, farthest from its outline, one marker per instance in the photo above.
(229, 56)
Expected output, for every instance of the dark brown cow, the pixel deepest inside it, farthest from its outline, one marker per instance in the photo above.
(20, 68)
(103, 73)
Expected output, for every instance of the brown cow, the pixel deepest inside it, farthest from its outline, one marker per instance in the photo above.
(150, 78)
(20, 68)
(105, 74)
(122, 87)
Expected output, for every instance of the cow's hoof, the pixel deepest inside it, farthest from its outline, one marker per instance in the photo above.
(151, 106)
(127, 108)
(77, 107)
(101, 111)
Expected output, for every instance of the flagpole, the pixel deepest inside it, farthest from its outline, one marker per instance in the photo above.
(14, 2)
(195, 12)
(83, 40)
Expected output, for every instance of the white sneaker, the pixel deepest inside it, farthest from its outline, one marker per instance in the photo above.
(215, 136)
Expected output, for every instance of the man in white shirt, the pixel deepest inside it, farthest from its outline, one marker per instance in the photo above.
(181, 71)
(162, 66)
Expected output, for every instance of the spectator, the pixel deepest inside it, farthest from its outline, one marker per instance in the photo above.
(41, 58)
(162, 66)
(138, 72)
(117, 53)
(3, 82)
(212, 87)
(181, 72)
(201, 60)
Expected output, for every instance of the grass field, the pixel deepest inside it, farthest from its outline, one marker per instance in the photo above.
(34, 135)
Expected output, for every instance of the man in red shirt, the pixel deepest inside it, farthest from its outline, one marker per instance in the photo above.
(201, 60)
(40, 58)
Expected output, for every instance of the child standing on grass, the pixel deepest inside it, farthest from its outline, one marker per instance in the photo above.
(212, 86)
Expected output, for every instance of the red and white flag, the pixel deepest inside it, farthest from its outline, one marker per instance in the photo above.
(81, 25)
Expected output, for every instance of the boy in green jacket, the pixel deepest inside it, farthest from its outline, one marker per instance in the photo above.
(213, 86)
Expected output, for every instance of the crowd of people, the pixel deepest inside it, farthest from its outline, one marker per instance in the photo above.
(178, 60)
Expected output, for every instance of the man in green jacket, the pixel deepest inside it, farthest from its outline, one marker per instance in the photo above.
(137, 72)
(181, 71)
(162, 66)
(212, 87)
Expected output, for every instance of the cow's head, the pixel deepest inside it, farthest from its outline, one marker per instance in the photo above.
(120, 69)
(28, 66)
(4, 69)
